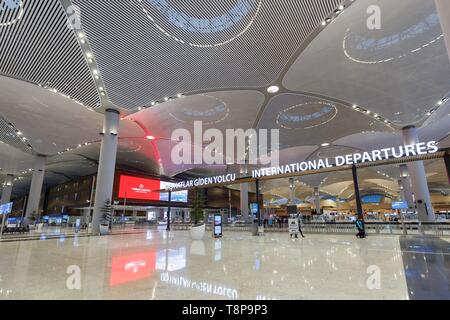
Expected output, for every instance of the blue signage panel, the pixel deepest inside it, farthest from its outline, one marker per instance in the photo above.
(399, 205)
(6, 208)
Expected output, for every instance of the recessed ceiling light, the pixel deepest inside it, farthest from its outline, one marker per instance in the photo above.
(150, 137)
(80, 35)
(354, 106)
(440, 103)
(273, 89)
(166, 99)
(325, 144)
(179, 95)
(89, 55)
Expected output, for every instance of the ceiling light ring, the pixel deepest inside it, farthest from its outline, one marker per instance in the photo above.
(224, 117)
(306, 104)
(175, 38)
(17, 18)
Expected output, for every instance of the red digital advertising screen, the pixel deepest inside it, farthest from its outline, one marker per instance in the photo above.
(132, 267)
(138, 188)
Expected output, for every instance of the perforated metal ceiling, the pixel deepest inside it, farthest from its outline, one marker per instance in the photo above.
(9, 136)
(36, 45)
(147, 55)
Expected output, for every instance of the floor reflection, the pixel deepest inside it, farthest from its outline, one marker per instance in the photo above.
(161, 265)
(427, 267)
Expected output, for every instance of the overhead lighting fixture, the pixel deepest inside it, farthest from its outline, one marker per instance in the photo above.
(166, 99)
(179, 95)
(354, 106)
(325, 144)
(150, 138)
(273, 89)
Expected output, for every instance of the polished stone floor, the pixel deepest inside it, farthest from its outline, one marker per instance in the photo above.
(158, 265)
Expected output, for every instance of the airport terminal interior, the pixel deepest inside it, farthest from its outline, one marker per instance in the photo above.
(225, 150)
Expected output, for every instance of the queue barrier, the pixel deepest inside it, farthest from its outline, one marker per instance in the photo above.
(374, 228)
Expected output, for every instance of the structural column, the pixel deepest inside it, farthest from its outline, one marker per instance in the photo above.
(7, 189)
(447, 165)
(317, 199)
(357, 194)
(6, 198)
(292, 191)
(86, 215)
(244, 202)
(419, 181)
(106, 166)
(36, 187)
(169, 208)
(258, 198)
(405, 185)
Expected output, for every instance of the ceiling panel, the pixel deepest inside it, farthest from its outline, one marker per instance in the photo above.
(36, 45)
(151, 49)
(50, 121)
(400, 71)
(304, 120)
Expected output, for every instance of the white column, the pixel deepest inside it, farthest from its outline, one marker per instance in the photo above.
(317, 199)
(36, 187)
(106, 166)
(443, 9)
(291, 191)
(419, 181)
(6, 197)
(244, 201)
(405, 184)
(7, 189)
(86, 215)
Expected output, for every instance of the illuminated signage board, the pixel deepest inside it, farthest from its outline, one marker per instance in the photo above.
(339, 161)
(399, 205)
(6, 208)
(350, 159)
(138, 188)
(217, 227)
(146, 189)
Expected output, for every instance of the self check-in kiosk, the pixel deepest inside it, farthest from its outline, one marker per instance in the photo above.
(217, 225)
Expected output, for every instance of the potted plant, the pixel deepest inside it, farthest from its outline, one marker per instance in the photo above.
(198, 227)
(105, 224)
(32, 220)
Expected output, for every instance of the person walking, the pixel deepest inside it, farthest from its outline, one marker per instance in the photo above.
(300, 225)
(361, 228)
